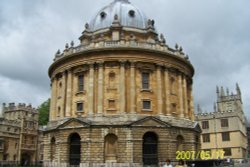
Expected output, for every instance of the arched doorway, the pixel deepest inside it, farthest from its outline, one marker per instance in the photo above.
(74, 149)
(150, 150)
(179, 144)
(52, 148)
(25, 159)
(111, 148)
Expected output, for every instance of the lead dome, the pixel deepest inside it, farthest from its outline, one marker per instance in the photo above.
(128, 15)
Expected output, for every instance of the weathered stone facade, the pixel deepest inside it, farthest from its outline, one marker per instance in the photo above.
(122, 96)
(19, 133)
(225, 128)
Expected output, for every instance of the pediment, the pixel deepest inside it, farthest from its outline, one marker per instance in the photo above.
(197, 128)
(150, 122)
(73, 123)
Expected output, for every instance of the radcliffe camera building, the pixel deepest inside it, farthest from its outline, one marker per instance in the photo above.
(225, 128)
(122, 95)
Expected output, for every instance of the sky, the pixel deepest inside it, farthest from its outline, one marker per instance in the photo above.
(214, 33)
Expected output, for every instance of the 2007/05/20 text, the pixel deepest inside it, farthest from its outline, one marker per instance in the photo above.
(203, 155)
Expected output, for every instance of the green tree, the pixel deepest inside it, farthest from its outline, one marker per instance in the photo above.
(43, 110)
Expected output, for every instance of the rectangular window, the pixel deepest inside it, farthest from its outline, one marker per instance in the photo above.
(225, 136)
(224, 122)
(206, 138)
(146, 105)
(145, 80)
(80, 83)
(111, 104)
(205, 124)
(79, 107)
(227, 151)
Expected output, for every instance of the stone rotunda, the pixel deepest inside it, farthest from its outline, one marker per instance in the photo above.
(121, 97)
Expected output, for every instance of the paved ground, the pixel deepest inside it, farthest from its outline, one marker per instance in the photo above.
(243, 165)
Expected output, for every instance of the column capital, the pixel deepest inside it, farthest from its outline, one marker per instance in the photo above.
(122, 62)
(132, 63)
(100, 63)
(91, 64)
(69, 70)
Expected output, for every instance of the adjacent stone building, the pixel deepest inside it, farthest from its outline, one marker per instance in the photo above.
(225, 128)
(121, 96)
(18, 133)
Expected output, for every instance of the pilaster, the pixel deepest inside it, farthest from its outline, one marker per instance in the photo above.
(122, 86)
(167, 94)
(180, 95)
(91, 90)
(159, 89)
(132, 87)
(69, 93)
(100, 88)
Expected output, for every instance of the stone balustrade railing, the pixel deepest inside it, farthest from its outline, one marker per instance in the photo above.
(120, 44)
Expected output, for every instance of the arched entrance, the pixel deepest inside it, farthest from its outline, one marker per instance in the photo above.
(150, 150)
(25, 159)
(74, 149)
(111, 148)
(179, 144)
(52, 148)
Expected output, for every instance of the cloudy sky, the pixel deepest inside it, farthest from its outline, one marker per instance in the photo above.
(214, 33)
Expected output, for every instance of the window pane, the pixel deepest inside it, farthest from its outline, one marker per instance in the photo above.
(205, 125)
(80, 83)
(145, 80)
(111, 103)
(146, 104)
(79, 106)
(206, 138)
(225, 136)
(224, 122)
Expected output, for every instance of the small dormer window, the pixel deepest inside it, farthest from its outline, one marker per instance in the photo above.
(131, 13)
(103, 15)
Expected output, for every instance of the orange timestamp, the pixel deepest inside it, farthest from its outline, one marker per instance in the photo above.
(201, 154)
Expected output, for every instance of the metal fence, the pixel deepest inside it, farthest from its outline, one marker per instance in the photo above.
(18, 164)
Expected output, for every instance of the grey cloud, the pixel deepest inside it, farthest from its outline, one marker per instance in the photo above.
(213, 33)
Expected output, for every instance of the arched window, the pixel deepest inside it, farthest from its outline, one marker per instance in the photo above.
(110, 148)
(150, 149)
(52, 148)
(180, 143)
(74, 149)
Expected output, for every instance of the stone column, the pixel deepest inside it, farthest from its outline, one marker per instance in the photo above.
(100, 88)
(181, 112)
(132, 87)
(159, 89)
(64, 82)
(167, 94)
(53, 100)
(185, 97)
(91, 90)
(122, 84)
(191, 104)
(54, 97)
(69, 93)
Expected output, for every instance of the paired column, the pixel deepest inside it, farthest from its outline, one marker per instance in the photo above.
(91, 90)
(100, 89)
(53, 108)
(159, 89)
(180, 95)
(64, 82)
(132, 87)
(69, 93)
(185, 97)
(167, 94)
(122, 87)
